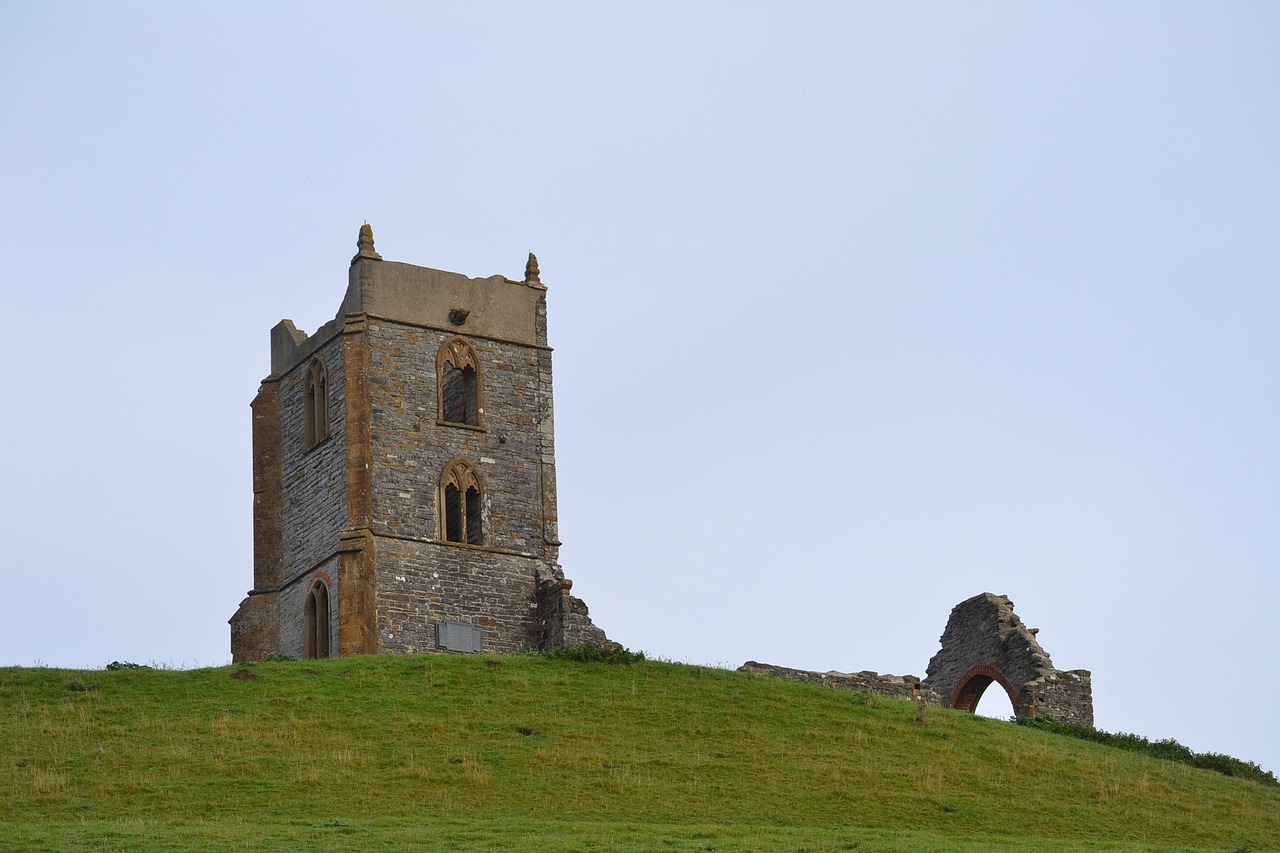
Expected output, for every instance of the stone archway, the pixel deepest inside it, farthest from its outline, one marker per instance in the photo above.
(985, 641)
(973, 685)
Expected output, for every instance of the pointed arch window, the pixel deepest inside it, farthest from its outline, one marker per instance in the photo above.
(462, 500)
(315, 404)
(317, 621)
(458, 378)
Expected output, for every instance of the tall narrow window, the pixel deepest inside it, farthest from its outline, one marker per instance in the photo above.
(315, 404)
(317, 621)
(462, 499)
(475, 527)
(452, 513)
(458, 373)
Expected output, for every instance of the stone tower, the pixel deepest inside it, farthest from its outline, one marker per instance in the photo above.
(404, 480)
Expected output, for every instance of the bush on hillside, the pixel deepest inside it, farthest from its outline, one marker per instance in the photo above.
(597, 654)
(1168, 749)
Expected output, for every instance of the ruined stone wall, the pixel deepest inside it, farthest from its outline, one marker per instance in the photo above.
(985, 630)
(255, 627)
(893, 686)
(563, 619)
(984, 643)
(1063, 695)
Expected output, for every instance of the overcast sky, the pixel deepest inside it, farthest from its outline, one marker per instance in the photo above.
(859, 310)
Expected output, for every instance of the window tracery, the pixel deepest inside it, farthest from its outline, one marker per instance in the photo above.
(462, 499)
(315, 404)
(458, 377)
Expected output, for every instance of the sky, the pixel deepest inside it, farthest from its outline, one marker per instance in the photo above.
(859, 310)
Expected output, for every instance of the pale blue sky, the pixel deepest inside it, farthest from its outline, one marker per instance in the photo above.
(859, 310)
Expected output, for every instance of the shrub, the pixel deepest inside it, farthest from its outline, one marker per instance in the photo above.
(598, 654)
(1168, 749)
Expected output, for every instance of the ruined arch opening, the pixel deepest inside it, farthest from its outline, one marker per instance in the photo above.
(317, 621)
(985, 641)
(971, 687)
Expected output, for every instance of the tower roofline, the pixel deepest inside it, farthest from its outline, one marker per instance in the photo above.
(494, 307)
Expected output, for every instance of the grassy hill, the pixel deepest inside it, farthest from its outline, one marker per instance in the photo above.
(452, 752)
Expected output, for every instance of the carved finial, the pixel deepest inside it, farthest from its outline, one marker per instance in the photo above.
(365, 244)
(531, 270)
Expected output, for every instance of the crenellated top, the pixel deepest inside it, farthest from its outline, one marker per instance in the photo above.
(494, 307)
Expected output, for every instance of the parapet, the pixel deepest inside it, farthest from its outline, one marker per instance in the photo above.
(495, 307)
(893, 686)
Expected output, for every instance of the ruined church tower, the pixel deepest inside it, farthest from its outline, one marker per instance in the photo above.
(404, 474)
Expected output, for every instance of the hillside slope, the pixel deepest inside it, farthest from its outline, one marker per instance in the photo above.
(468, 752)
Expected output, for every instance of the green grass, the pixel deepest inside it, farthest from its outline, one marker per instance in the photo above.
(1167, 749)
(534, 753)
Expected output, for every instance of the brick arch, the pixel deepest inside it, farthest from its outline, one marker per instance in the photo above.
(974, 683)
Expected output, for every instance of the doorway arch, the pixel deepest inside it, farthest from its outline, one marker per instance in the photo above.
(974, 683)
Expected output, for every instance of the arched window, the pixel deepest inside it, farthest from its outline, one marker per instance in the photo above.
(462, 497)
(317, 621)
(315, 404)
(458, 375)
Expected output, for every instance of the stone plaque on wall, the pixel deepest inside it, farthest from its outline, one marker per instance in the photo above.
(459, 637)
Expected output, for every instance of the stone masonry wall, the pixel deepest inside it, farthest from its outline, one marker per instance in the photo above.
(424, 583)
(563, 619)
(300, 508)
(293, 601)
(985, 630)
(984, 643)
(411, 450)
(313, 505)
(422, 579)
(545, 415)
(255, 626)
(893, 686)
